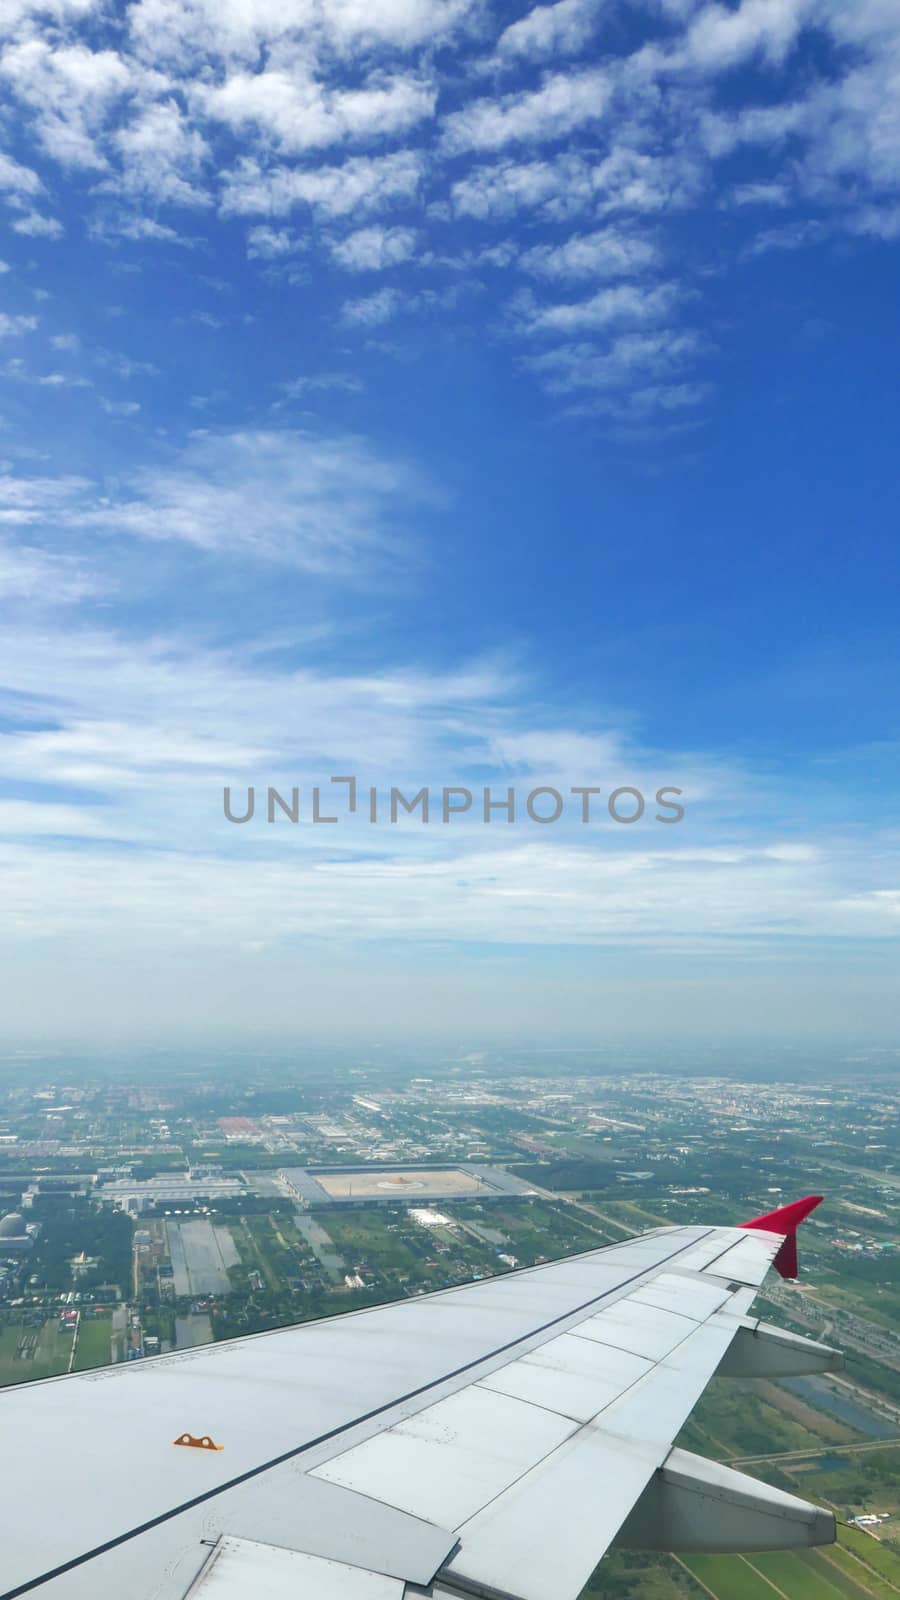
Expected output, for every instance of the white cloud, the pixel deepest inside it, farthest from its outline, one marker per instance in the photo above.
(607, 253)
(18, 179)
(373, 309)
(297, 76)
(125, 366)
(137, 228)
(630, 179)
(298, 113)
(721, 37)
(624, 303)
(43, 577)
(564, 101)
(384, 304)
(362, 183)
(404, 23)
(560, 29)
(845, 124)
(162, 156)
(269, 244)
(789, 236)
(245, 30)
(35, 226)
(36, 819)
(120, 408)
(561, 188)
(12, 325)
(60, 380)
(70, 91)
(373, 249)
(38, 500)
(318, 382)
(876, 221)
(17, 12)
(112, 717)
(324, 505)
(627, 180)
(760, 194)
(189, 31)
(639, 404)
(722, 133)
(17, 370)
(629, 358)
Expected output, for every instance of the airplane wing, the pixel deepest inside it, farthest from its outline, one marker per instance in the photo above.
(491, 1440)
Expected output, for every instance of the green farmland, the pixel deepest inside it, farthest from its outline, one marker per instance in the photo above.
(859, 1567)
(93, 1348)
(37, 1350)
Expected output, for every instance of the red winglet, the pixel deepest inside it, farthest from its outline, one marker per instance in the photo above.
(786, 1220)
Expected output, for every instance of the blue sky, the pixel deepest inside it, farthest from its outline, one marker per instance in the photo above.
(449, 394)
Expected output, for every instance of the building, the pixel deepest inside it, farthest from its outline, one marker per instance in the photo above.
(135, 1195)
(15, 1235)
(378, 1183)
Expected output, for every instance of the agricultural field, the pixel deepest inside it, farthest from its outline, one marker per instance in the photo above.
(39, 1350)
(385, 1245)
(201, 1256)
(544, 1227)
(731, 1423)
(857, 1568)
(94, 1343)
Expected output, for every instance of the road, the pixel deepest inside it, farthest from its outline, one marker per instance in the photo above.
(817, 1450)
(848, 1329)
(569, 1199)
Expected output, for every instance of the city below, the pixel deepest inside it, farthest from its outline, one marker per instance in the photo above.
(157, 1206)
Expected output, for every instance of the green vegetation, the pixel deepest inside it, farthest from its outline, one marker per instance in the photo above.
(732, 1421)
(858, 1568)
(70, 1225)
(93, 1348)
(730, 1578)
(632, 1575)
(873, 1553)
(31, 1349)
(571, 1175)
(795, 1575)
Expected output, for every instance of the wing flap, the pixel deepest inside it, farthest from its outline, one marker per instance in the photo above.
(504, 1461)
(239, 1568)
(571, 1376)
(749, 1260)
(325, 1520)
(666, 1292)
(644, 1330)
(589, 1485)
(695, 1504)
(451, 1458)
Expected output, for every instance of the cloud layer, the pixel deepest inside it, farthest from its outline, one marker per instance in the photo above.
(297, 300)
(422, 116)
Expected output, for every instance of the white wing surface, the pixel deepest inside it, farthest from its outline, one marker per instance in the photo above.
(493, 1440)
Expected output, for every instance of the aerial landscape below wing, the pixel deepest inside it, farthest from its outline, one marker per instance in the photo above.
(494, 1439)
